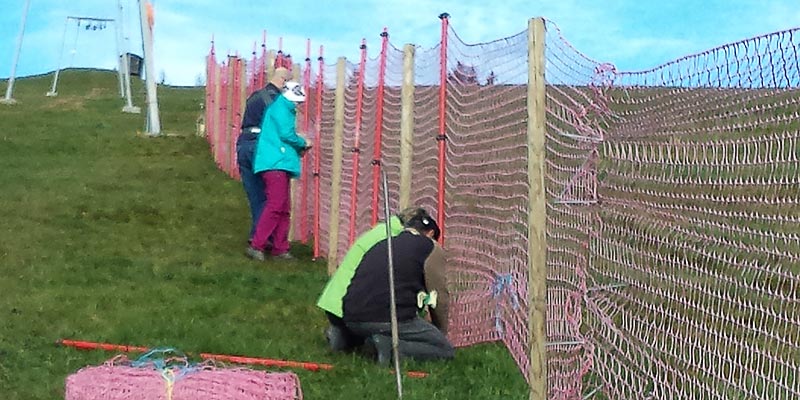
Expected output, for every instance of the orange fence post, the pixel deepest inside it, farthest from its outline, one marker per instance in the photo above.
(317, 151)
(376, 155)
(306, 160)
(211, 64)
(356, 150)
(442, 138)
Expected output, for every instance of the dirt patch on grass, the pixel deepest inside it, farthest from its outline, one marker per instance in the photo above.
(77, 102)
(97, 93)
(70, 103)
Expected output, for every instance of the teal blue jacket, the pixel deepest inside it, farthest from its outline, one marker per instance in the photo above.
(279, 146)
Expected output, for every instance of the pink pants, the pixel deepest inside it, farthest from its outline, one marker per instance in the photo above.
(274, 220)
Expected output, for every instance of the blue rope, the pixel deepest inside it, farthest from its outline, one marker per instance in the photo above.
(158, 359)
(503, 284)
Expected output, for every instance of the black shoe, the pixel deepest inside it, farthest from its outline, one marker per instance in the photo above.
(380, 347)
(336, 337)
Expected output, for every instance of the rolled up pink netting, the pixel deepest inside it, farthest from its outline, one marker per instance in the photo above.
(115, 381)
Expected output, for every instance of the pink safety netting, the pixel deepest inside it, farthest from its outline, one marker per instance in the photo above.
(122, 379)
(673, 228)
(697, 247)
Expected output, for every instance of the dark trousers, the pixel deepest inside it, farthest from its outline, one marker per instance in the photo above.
(419, 339)
(253, 184)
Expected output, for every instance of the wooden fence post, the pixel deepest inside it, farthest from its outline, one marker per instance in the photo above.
(406, 126)
(537, 212)
(336, 166)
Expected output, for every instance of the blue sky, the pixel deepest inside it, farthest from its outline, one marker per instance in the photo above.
(631, 34)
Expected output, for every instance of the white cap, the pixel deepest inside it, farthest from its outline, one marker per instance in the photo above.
(293, 92)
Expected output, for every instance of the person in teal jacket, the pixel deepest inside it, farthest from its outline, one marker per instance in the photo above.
(277, 161)
(331, 300)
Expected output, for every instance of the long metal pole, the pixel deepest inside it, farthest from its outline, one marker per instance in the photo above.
(392, 304)
(10, 88)
(120, 60)
(125, 65)
(52, 91)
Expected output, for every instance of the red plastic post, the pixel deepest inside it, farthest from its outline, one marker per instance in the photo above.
(252, 80)
(376, 155)
(280, 60)
(236, 124)
(307, 159)
(211, 64)
(84, 345)
(262, 65)
(442, 133)
(223, 108)
(317, 152)
(356, 150)
(267, 362)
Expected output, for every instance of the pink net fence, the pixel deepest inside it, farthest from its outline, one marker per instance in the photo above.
(697, 244)
(672, 202)
(123, 379)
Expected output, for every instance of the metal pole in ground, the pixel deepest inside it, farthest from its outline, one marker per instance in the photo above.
(118, 37)
(125, 63)
(392, 304)
(10, 88)
(53, 91)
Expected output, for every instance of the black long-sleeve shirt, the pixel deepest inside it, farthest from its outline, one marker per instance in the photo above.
(367, 298)
(257, 103)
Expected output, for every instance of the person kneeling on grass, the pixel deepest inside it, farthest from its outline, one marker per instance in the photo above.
(338, 336)
(418, 268)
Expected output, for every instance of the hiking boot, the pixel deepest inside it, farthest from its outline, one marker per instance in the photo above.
(336, 337)
(380, 348)
(255, 254)
(285, 256)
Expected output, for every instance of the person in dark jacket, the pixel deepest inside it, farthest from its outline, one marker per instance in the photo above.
(256, 105)
(418, 267)
(332, 297)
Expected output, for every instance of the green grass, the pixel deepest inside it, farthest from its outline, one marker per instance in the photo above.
(110, 236)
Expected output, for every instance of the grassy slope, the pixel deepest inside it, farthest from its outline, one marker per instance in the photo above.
(110, 236)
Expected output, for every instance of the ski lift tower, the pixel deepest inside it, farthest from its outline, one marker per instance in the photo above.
(10, 89)
(88, 23)
(124, 64)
